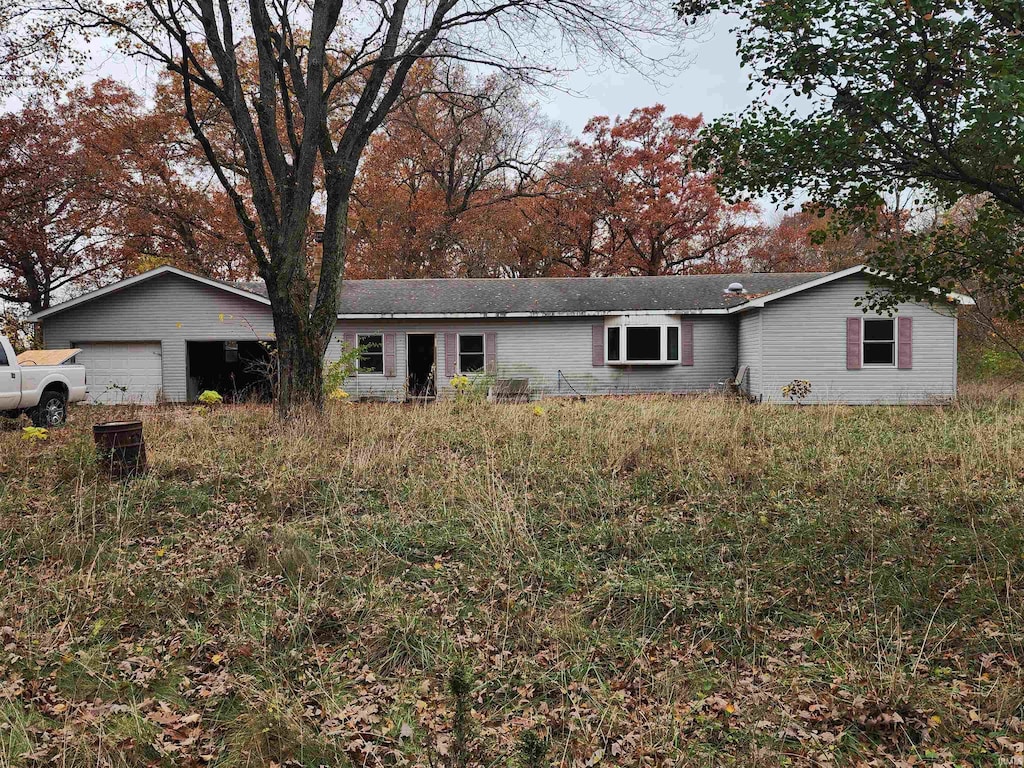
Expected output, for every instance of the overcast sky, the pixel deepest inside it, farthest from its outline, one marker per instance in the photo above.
(712, 85)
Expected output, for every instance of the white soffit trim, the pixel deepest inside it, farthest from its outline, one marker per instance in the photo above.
(502, 315)
(760, 302)
(140, 278)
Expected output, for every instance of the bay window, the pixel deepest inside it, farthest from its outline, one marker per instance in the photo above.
(642, 341)
(614, 334)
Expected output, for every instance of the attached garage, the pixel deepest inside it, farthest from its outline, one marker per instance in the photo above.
(137, 336)
(121, 372)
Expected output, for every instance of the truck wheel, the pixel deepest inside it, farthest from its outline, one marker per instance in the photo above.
(52, 410)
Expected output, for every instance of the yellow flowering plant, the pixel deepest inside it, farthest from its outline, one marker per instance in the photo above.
(797, 390)
(209, 397)
(35, 433)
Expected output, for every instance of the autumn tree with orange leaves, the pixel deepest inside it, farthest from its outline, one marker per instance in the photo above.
(59, 226)
(463, 181)
(95, 186)
(632, 202)
(439, 189)
(809, 241)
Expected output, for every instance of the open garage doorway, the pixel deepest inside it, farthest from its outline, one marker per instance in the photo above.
(241, 371)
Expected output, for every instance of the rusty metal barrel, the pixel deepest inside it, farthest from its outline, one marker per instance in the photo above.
(120, 448)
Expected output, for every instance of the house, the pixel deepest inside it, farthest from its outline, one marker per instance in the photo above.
(167, 335)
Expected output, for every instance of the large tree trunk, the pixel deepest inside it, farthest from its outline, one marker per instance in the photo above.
(300, 354)
(304, 331)
(301, 346)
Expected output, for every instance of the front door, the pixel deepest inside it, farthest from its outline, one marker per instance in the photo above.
(10, 382)
(422, 364)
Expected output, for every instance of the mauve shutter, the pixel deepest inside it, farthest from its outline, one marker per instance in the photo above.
(686, 342)
(451, 341)
(389, 354)
(905, 328)
(853, 327)
(348, 338)
(597, 353)
(491, 352)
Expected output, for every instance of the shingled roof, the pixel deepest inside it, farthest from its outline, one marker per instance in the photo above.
(520, 297)
(554, 295)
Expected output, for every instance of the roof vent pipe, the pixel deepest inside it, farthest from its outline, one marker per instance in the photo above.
(735, 288)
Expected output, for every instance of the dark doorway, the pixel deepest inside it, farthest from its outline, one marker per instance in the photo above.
(422, 364)
(241, 371)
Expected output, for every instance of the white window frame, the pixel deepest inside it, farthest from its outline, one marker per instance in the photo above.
(607, 344)
(359, 359)
(651, 320)
(458, 354)
(895, 343)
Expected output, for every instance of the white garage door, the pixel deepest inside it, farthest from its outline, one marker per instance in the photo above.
(121, 372)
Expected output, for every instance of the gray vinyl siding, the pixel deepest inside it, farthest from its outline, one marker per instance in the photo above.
(749, 349)
(173, 310)
(801, 336)
(168, 309)
(804, 337)
(538, 348)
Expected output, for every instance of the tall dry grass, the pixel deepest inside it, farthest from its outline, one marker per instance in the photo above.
(678, 581)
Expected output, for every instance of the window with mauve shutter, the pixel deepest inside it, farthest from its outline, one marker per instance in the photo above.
(651, 341)
(371, 353)
(471, 352)
(879, 341)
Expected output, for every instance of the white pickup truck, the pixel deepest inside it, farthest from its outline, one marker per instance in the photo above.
(41, 391)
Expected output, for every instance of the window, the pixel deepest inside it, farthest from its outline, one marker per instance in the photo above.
(673, 343)
(644, 344)
(3, 357)
(879, 341)
(613, 344)
(371, 353)
(471, 353)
